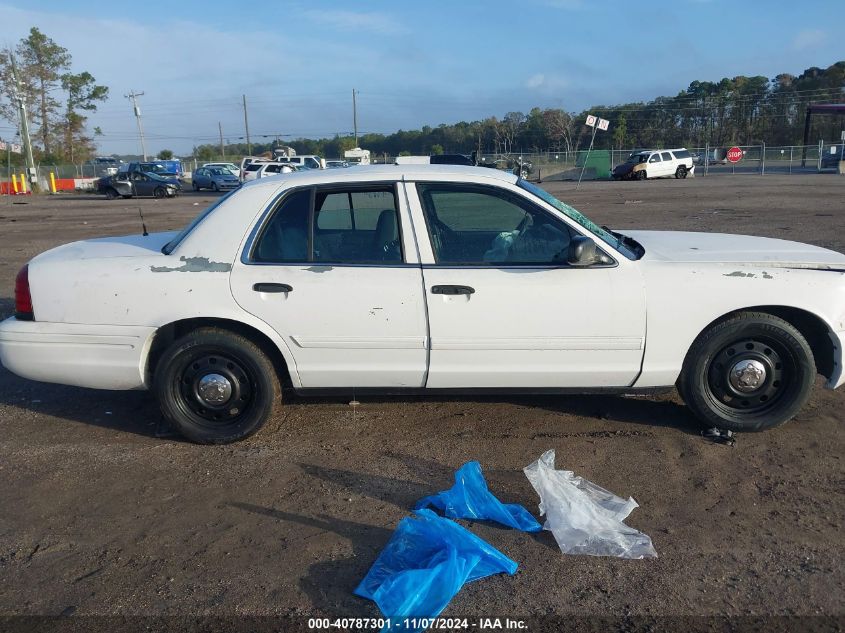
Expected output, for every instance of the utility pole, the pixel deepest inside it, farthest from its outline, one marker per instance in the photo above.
(133, 97)
(355, 116)
(222, 147)
(27, 143)
(246, 125)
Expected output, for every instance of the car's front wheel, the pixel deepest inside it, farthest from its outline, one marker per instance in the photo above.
(195, 186)
(112, 194)
(641, 175)
(216, 386)
(750, 372)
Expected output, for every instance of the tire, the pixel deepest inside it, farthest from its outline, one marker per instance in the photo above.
(195, 186)
(782, 363)
(641, 175)
(112, 194)
(242, 368)
(681, 172)
(160, 192)
(215, 187)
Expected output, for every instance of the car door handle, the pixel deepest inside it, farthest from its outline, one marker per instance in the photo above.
(269, 287)
(452, 290)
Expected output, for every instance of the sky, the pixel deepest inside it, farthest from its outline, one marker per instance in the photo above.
(412, 63)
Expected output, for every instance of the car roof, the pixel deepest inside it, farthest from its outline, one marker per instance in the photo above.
(386, 172)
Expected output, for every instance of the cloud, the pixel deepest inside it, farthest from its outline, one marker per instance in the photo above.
(356, 21)
(548, 83)
(809, 38)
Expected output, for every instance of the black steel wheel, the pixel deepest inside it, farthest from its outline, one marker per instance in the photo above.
(112, 194)
(681, 172)
(641, 175)
(216, 386)
(195, 186)
(215, 186)
(160, 192)
(750, 372)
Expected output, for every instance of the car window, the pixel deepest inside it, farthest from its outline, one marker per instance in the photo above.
(284, 238)
(655, 158)
(474, 225)
(356, 226)
(681, 154)
(348, 226)
(666, 156)
(253, 166)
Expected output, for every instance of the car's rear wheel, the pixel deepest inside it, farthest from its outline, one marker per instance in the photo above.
(750, 372)
(160, 192)
(681, 172)
(641, 175)
(112, 194)
(216, 386)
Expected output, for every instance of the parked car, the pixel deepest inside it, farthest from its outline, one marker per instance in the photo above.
(250, 171)
(336, 164)
(215, 178)
(246, 161)
(831, 156)
(158, 168)
(425, 279)
(230, 166)
(136, 183)
(655, 164)
(275, 168)
(308, 161)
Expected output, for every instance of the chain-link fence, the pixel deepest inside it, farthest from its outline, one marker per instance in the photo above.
(596, 164)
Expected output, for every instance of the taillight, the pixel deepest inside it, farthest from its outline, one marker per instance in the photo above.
(23, 299)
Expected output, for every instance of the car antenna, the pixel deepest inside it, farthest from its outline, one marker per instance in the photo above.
(143, 226)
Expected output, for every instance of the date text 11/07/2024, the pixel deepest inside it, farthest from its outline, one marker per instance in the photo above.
(414, 624)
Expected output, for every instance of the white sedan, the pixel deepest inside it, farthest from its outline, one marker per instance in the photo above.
(409, 279)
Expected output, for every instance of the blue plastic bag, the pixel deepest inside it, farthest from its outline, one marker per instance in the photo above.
(426, 562)
(470, 498)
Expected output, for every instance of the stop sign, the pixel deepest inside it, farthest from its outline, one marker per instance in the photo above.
(734, 154)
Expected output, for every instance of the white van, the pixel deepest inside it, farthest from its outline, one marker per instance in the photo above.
(246, 161)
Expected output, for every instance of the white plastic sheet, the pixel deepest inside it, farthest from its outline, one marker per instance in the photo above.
(583, 517)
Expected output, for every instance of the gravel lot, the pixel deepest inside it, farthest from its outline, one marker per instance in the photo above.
(103, 511)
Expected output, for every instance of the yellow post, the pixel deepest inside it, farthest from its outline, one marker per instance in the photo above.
(23, 184)
(52, 182)
(15, 183)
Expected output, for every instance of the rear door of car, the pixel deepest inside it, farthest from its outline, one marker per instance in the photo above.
(505, 309)
(334, 270)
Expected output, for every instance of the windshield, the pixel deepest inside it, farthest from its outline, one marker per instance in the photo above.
(172, 244)
(637, 158)
(576, 215)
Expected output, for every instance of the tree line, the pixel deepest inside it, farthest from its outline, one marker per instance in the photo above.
(739, 111)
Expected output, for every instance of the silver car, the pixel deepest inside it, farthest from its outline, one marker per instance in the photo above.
(215, 178)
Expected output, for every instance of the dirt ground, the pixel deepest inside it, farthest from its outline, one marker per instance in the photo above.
(105, 512)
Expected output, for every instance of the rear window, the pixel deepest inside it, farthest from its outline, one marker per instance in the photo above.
(254, 166)
(681, 153)
(172, 244)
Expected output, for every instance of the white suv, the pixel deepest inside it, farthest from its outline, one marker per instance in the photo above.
(275, 168)
(658, 163)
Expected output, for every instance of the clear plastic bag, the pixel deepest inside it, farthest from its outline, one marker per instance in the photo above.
(426, 562)
(470, 498)
(583, 517)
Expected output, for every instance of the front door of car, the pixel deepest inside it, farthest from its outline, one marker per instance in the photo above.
(142, 184)
(655, 166)
(506, 310)
(332, 271)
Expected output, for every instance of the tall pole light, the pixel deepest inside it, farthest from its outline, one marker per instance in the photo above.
(355, 116)
(21, 103)
(222, 147)
(246, 125)
(133, 97)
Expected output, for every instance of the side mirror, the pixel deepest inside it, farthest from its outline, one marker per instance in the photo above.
(584, 252)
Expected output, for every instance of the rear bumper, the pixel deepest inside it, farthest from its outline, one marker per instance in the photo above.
(96, 356)
(837, 377)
